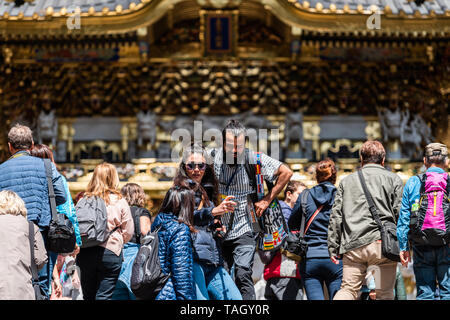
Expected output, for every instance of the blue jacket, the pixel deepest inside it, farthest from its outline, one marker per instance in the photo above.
(207, 249)
(317, 234)
(25, 175)
(411, 192)
(175, 255)
(68, 209)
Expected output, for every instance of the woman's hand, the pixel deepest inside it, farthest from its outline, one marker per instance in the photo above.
(57, 288)
(405, 258)
(222, 228)
(75, 251)
(225, 206)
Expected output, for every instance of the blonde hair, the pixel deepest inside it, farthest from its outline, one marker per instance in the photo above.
(104, 182)
(11, 203)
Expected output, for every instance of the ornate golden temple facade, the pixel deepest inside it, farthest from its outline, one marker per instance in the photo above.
(97, 65)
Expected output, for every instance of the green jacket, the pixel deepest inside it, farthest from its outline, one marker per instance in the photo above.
(351, 224)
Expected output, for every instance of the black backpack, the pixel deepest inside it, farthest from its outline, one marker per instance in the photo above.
(147, 277)
(61, 234)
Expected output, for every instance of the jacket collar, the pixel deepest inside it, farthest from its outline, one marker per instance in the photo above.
(435, 169)
(373, 165)
(327, 182)
(20, 153)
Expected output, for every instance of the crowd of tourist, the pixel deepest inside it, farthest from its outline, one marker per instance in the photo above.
(206, 230)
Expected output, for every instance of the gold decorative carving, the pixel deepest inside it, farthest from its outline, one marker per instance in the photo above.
(373, 130)
(49, 11)
(148, 12)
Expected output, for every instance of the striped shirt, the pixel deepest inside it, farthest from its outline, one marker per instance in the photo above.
(239, 188)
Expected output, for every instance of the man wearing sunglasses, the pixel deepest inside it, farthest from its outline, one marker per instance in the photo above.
(231, 168)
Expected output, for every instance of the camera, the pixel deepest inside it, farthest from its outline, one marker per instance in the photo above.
(213, 226)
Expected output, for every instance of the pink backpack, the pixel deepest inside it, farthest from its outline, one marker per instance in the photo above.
(430, 222)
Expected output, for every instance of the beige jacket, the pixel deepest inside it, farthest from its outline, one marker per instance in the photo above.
(119, 215)
(351, 223)
(15, 258)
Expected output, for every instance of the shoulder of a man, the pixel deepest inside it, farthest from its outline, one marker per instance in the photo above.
(267, 160)
(392, 175)
(21, 163)
(349, 179)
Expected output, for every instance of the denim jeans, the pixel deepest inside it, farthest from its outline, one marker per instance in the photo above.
(214, 283)
(123, 285)
(45, 274)
(432, 269)
(315, 271)
(100, 269)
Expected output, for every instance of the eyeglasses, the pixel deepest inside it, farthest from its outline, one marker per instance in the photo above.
(193, 165)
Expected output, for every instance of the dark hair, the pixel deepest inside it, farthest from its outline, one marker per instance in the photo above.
(326, 171)
(372, 151)
(436, 153)
(180, 202)
(134, 194)
(235, 127)
(209, 178)
(436, 158)
(42, 151)
(20, 137)
(292, 186)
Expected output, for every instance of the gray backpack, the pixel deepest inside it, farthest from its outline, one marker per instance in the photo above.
(92, 220)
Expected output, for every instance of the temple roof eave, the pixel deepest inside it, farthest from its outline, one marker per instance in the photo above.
(92, 22)
(349, 21)
(332, 20)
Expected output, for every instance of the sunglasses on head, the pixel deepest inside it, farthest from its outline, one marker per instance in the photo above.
(193, 165)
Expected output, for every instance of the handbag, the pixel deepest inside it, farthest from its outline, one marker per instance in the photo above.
(61, 234)
(273, 229)
(389, 242)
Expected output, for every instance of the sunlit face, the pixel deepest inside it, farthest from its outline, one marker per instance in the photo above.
(291, 198)
(195, 167)
(234, 145)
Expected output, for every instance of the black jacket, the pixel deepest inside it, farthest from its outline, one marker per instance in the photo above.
(207, 248)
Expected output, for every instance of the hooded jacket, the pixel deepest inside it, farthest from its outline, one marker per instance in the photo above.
(317, 234)
(175, 255)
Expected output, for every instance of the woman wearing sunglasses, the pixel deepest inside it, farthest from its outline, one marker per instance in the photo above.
(212, 281)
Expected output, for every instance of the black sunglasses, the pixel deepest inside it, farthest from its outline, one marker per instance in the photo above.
(193, 165)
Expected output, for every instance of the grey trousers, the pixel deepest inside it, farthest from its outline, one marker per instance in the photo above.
(284, 289)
